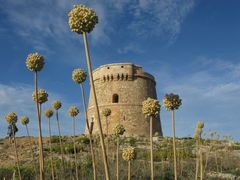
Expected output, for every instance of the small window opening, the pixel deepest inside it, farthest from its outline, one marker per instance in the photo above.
(104, 78)
(108, 67)
(111, 77)
(122, 76)
(115, 98)
(122, 66)
(118, 77)
(127, 77)
(108, 77)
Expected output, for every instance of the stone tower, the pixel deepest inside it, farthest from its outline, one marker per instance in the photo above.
(123, 87)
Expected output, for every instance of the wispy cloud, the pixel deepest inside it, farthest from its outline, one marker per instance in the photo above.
(44, 24)
(130, 48)
(158, 18)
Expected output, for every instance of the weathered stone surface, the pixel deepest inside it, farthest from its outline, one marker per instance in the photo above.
(123, 87)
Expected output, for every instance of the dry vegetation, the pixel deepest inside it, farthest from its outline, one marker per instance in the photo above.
(222, 157)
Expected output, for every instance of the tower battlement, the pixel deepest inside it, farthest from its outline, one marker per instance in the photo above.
(120, 72)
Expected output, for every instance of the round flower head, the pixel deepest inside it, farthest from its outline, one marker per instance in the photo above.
(211, 134)
(48, 113)
(73, 111)
(24, 120)
(79, 75)
(200, 124)
(11, 118)
(171, 102)
(119, 130)
(106, 112)
(129, 153)
(35, 62)
(42, 96)
(82, 19)
(56, 104)
(198, 133)
(151, 107)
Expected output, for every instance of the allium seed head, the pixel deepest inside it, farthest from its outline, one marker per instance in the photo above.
(35, 62)
(24, 120)
(11, 118)
(56, 104)
(198, 133)
(48, 113)
(171, 102)
(129, 153)
(151, 107)
(42, 96)
(106, 112)
(82, 19)
(200, 124)
(73, 111)
(79, 76)
(119, 130)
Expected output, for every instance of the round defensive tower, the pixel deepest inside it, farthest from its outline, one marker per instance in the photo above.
(122, 87)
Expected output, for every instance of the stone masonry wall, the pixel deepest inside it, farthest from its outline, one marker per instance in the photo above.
(132, 86)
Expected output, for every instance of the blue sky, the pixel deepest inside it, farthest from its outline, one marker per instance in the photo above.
(190, 46)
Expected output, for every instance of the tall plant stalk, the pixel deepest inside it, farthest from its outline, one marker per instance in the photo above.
(117, 157)
(172, 102)
(174, 146)
(74, 146)
(107, 145)
(118, 131)
(201, 166)
(50, 145)
(32, 152)
(16, 153)
(129, 170)
(151, 147)
(60, 141)
(90, 133)
(40, 141)
(106, 168)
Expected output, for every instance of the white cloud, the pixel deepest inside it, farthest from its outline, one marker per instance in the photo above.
(18, 98)
(209, 94)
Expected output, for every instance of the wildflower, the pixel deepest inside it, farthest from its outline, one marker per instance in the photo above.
(56, 104)
(42, 96)
(11, 118)
(48, 113)
(106, 112)
(119, 130)
(171, 102)
(82, 19)
(79, 75)
(24, 120)
(151, 107)
(35, 62)
(73, 111)
(200, 124)
(129, 153)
